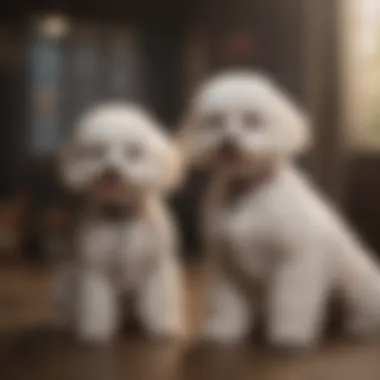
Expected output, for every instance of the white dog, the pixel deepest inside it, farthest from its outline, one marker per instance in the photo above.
(278, 248)
(122, 164)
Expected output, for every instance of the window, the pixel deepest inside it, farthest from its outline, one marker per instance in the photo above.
(367, 46)
(74, 66)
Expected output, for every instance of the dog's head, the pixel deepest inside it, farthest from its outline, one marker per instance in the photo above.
(242, 120)
(118, 152)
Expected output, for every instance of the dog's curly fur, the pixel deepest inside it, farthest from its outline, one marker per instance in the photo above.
(280, 234)
(134, 255)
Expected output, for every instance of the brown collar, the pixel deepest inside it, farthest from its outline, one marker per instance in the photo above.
(119, 212)
(241, 186)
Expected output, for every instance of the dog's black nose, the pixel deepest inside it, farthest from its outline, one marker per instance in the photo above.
(110, 174)
(228, 148)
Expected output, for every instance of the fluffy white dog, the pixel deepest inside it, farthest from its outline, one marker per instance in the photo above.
(276, 245)
(122, 164)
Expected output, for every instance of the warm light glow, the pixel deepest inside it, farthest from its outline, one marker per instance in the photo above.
(53, 26)
(367, 133)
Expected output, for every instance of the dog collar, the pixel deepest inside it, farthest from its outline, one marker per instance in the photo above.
(237, 188)
(119, 212)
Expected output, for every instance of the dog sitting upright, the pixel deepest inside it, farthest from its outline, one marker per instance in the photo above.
(121, 164)
(277, 247)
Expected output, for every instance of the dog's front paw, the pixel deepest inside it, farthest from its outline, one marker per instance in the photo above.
(292, 340)
(95, 334)
(363, 328)
(167, 332)
(95, 330)
(226, 334)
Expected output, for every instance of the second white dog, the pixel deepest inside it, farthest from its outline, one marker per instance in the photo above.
(277, 247)
(122, 164)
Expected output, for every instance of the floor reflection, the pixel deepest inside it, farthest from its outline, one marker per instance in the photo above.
(31, 352)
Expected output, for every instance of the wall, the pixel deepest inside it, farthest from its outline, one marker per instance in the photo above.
(363, 197)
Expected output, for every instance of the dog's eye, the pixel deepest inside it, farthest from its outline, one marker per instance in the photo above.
(134, 152)
(214, 121)
(252, 120)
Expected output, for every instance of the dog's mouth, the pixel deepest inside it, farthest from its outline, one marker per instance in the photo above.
(229, 157)
(110, 183)
(110, 186)
(229, 152)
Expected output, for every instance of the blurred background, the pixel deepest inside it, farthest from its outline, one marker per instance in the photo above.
(59, 57)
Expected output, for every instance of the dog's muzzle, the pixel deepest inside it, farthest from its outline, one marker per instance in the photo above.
(110, 184)
(110, 175)
(228, 149)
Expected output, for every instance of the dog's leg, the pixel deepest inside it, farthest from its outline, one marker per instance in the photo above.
(98, 314)
(160, 303)
(64, 293)
(363, 299)
(228, 315)
(297, 301)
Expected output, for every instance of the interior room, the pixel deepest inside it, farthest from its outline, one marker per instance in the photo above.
(58, 58)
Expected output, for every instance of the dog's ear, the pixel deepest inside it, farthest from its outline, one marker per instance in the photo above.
(299, 128)
(293, 122)
(174, 167)
(185, 136)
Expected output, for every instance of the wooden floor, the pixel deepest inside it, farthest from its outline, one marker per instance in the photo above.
(30, 351)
